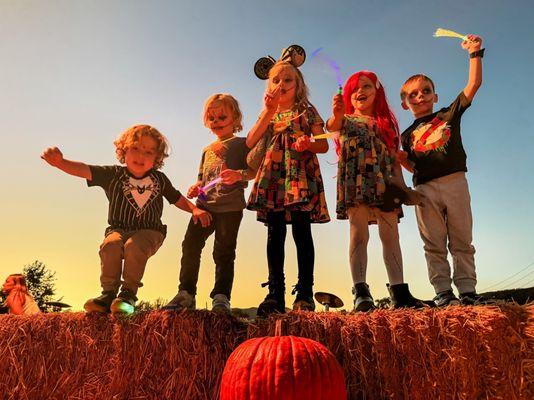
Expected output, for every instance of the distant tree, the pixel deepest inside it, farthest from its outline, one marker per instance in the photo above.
(41, 283)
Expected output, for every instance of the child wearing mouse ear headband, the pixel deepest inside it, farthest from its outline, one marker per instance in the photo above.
(288, 188)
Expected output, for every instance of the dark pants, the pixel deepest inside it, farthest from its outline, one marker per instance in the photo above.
(276, 237)
(225, 225)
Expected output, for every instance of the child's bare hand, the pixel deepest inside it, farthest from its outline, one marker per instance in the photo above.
(272, 99)
(402, 156)
(302, 144)
(338, 107)
(53, 156)
(230, 176)
(201, 215)
(193, 190)
(473, 43)
(414, 198)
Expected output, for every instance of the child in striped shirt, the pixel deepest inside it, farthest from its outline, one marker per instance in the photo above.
(135, 192)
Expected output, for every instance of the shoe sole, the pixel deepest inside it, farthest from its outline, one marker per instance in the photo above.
(95, 308)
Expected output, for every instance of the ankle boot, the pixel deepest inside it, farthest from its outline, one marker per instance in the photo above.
(363, 301)
(274, 302)
(402, 298)
(304, 299)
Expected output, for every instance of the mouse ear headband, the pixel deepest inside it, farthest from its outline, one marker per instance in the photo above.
(293, 54)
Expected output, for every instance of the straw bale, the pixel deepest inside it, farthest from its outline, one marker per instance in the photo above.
(54, 356)
(455, 353)
(527, 365)
(167, 355)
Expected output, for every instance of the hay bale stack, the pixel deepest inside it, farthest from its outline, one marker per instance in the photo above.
(460, 352)
(457, 353)
(527, 365)
(55, 356)
(162, 355)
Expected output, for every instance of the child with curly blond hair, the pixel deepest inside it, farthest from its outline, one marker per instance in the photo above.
(135, 192)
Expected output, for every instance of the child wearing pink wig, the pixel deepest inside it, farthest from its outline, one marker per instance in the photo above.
(370, 187)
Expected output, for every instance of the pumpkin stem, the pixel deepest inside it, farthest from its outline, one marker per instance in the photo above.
(280, 328)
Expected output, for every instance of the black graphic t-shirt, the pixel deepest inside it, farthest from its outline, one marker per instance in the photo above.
(434, 143)
(228, 154)
(134, 203)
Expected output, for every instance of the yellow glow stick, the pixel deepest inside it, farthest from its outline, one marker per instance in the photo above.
(325, 135)
(446, 33)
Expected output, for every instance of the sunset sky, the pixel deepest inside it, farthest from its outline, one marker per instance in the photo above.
(77, 73)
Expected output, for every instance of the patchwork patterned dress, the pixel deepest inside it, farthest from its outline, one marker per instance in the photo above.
(364, 163)
(288, 180)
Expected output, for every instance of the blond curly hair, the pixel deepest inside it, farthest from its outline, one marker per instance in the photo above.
(132, 136)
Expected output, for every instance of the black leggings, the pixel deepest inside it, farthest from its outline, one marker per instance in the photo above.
(276, 237)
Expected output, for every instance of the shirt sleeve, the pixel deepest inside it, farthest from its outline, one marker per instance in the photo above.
(200, 176)
(459, 105)
(169, 191)
(313, 116)
(102, 175)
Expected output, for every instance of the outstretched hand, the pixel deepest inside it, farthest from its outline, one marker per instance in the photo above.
(472, 44)
(338, 107)
(194, 190)
(53, 156)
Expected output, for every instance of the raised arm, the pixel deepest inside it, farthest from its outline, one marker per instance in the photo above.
(54, 157)
(473, 45)
(270, 101)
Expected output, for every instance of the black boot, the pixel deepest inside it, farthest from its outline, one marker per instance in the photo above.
(304, 299)
(402, 298)
(363, 301)
(274, 302)
(102, 303)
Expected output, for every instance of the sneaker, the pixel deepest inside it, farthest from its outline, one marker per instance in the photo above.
(363, 301)
(473, 299)
(446, 298)
(221, 303)
(182, 300)
(100, 304)
(124, 303)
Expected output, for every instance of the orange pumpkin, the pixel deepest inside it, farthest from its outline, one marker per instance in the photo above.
(282, 368)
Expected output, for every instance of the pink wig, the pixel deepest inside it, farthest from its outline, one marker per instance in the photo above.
(388, 127)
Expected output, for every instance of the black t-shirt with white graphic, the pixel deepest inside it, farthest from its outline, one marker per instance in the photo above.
(434, 143)
(228, 154)
(134, 203)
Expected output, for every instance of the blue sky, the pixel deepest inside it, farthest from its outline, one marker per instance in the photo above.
(77, 73)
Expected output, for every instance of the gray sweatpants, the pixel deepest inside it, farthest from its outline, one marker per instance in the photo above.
(445, 220)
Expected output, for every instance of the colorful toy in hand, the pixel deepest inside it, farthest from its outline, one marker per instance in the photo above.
(204, 189)
(318, 55)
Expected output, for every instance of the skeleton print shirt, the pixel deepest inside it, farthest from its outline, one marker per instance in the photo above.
(434, 143)
(134, 203)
